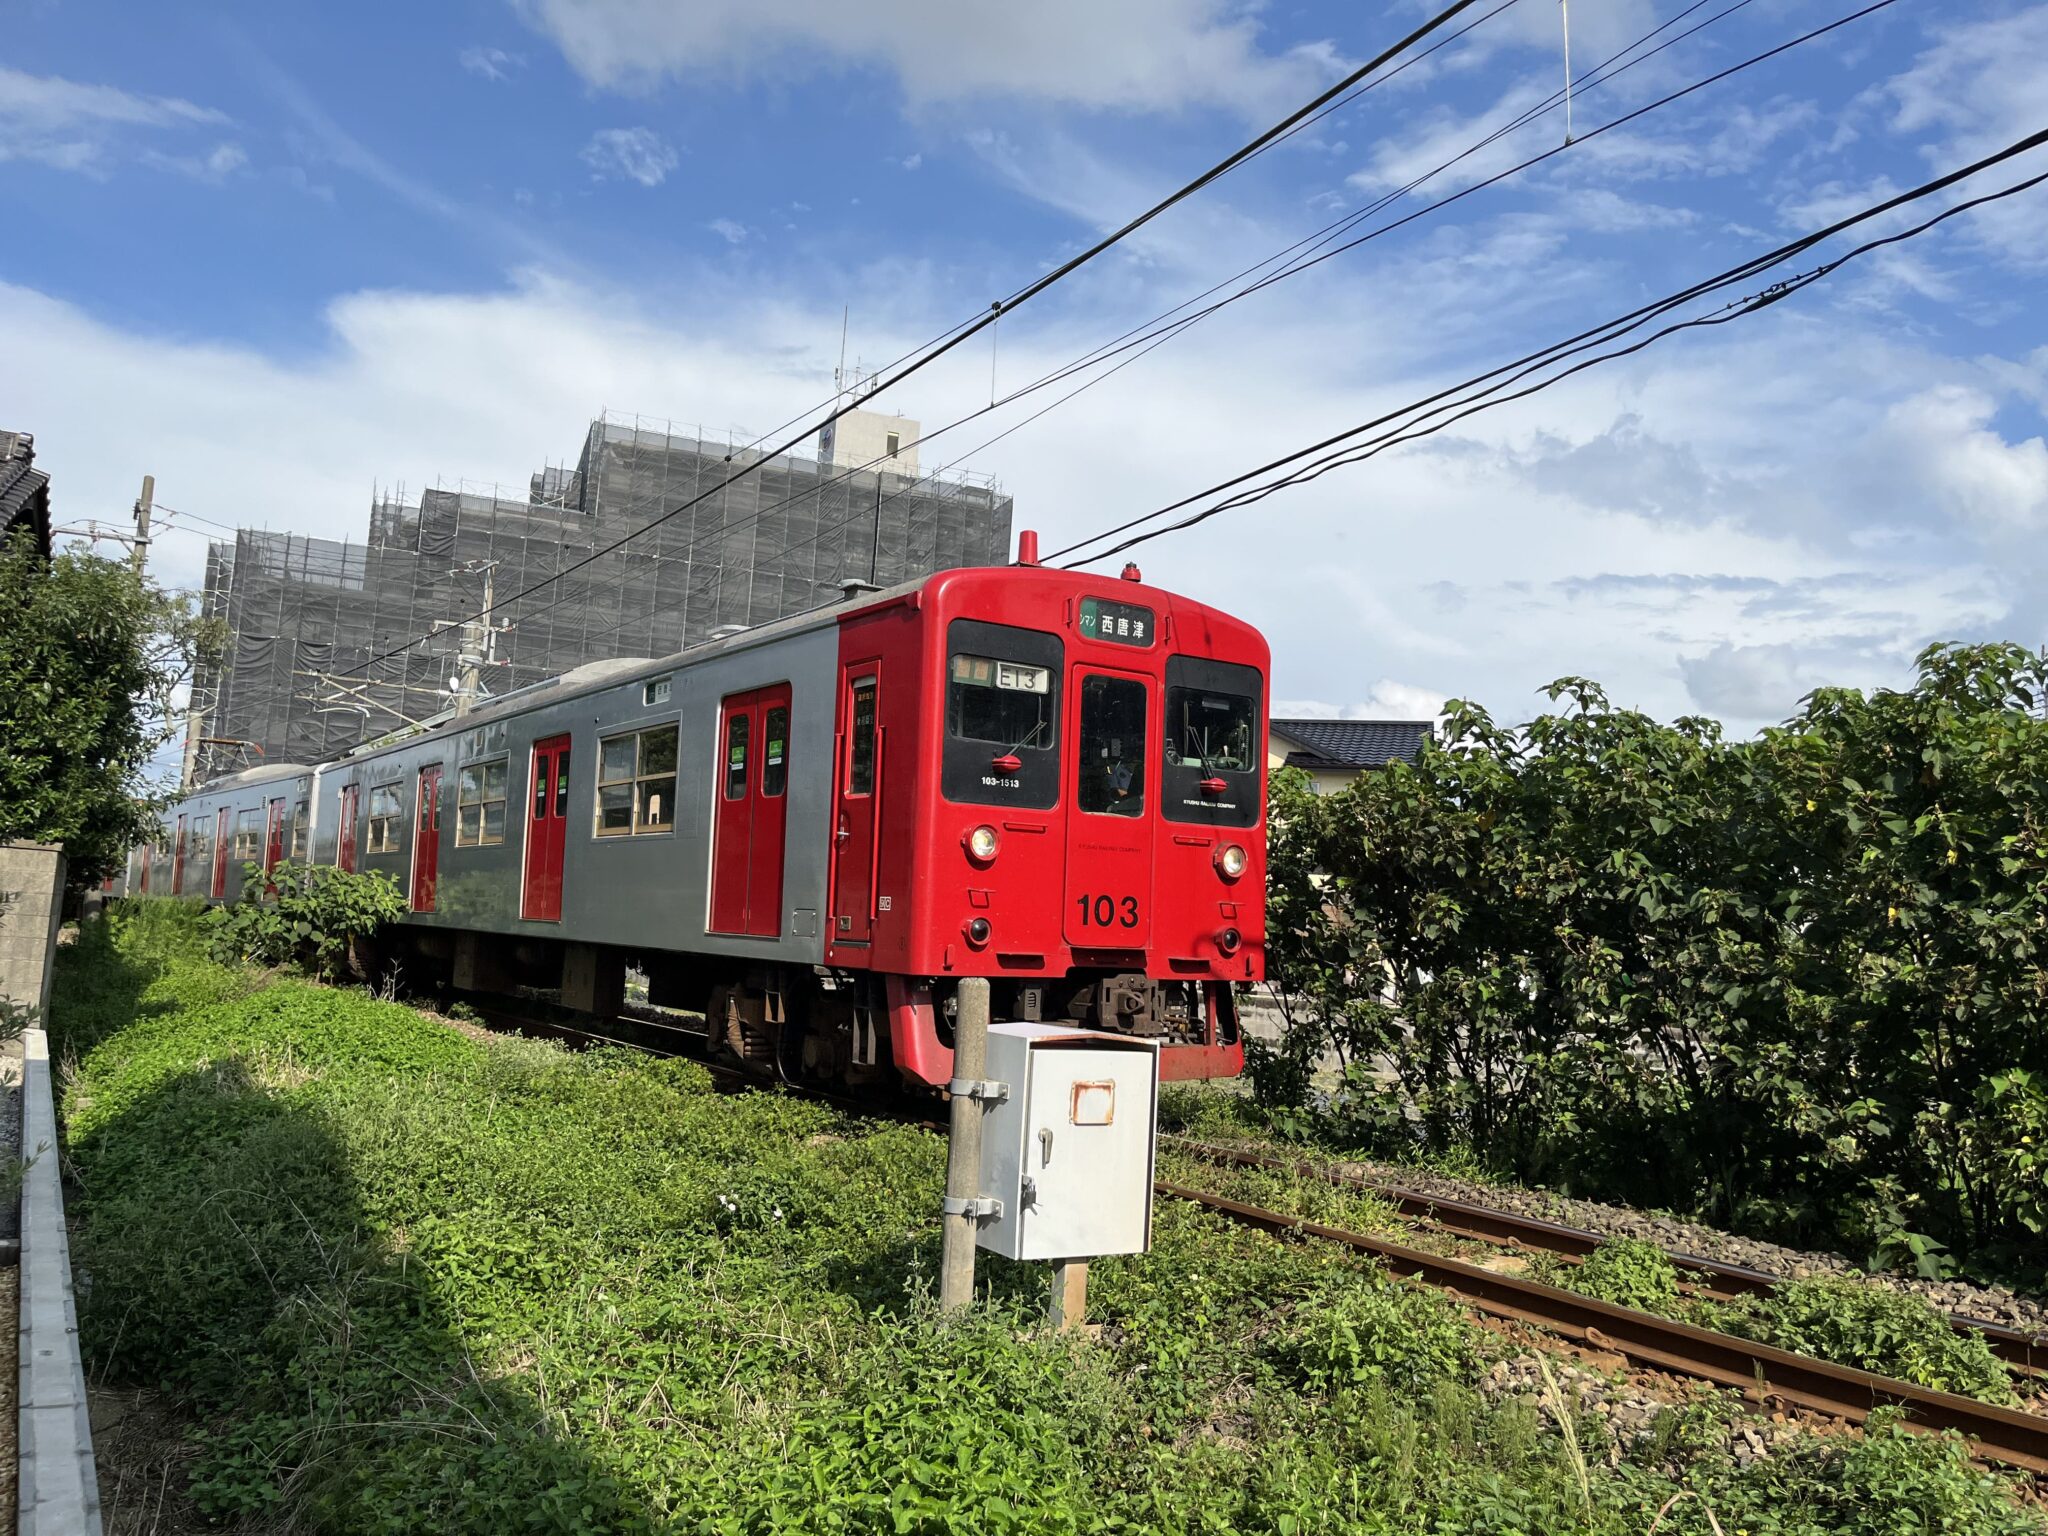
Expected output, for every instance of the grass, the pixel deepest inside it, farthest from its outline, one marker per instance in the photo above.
(401, 1280)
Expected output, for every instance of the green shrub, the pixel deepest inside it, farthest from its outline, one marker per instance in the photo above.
(303, 912)
(1354, 1330)
(1628, 1272)
(1874, 1327)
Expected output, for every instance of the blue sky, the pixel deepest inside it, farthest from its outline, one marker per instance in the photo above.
(278, 254)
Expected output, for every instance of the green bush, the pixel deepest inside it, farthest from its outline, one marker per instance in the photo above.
(311, 912)
(1353, 1331)
(1628, 1272)
(1790, 984)
(1886, 1331)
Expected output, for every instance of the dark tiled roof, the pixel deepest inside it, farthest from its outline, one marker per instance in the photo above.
(1334, 744)
(24, 491)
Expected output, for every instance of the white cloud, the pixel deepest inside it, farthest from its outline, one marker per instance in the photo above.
(1943, 439)
(637, 154)
(1388, 700)
(492, 63)
(911, 162)
(1135, 55)
(78, 127)
(213, 168)
(731, 231)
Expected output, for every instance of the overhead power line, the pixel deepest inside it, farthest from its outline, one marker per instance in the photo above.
(1136, 343)
(1001, 306)
(1465, 399)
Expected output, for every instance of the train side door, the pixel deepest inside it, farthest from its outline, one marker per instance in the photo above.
(345, 832)
(273, 837)
(857, 820)
(426, 840)
(220, 854)
(547, 812)
(747, 837)
(177, 862)
(1108, 899)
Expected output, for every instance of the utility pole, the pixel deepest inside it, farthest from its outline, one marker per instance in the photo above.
(963, 1147)
(144, 505)
(479, 640)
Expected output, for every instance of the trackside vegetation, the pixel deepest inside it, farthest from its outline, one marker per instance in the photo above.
(1792, 985)
(401, 1279)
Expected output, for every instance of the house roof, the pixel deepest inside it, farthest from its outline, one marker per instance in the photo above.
(24, 490)
(1352, 744)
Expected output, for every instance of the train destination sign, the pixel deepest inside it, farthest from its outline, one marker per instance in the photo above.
(1123, 623)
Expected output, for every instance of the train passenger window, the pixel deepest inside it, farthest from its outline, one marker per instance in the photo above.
(300, 821)
(775, 752)
(562, 785)
(1112, 747)
(480, 804)
(249, 836)
(736, 758)
(387, 810)
(636, 782)
(860, 772)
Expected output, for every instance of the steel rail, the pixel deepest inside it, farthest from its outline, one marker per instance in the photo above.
(2025, 1351)
(1761, 1371)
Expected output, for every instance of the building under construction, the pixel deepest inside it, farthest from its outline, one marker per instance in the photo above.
(318, 657)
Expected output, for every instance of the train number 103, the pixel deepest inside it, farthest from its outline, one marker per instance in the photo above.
(1108, 911)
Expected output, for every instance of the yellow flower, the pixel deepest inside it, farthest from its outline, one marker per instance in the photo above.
(1951, 855)
(1891, 914)
(1811, 806)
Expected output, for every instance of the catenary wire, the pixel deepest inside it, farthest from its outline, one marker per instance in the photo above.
(1149, 340)
(1001, 306)
(1599, 335)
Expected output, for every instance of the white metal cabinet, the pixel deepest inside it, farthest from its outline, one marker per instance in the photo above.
(1069, 1151)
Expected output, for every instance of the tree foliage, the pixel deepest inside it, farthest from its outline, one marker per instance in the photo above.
(1794, 983)
(91, 659)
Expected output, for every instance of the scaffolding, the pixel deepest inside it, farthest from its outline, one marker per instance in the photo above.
(303, 677)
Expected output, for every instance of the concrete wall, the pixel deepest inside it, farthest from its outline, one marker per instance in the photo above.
(32, 890)
(861, 437)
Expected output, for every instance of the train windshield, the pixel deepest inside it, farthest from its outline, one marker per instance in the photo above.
(1002, 716)
(1213, 754)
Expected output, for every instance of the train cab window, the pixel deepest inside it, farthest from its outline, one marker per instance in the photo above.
(636, 782)
(1213, 754)
(1002, 716)
(248, 836)
(736, 758)
(299, 830)
(775, 753)
(387, 810)
(1111, 769)
(480, 804)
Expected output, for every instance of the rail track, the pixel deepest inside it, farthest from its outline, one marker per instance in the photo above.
(1765, 1375)
(2025, 1352)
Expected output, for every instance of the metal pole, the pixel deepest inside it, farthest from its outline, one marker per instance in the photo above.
(963, 1148)
(144, 504)
(875, 550)
(1069, 1294)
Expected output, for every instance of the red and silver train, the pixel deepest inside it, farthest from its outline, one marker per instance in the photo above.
(812, 830)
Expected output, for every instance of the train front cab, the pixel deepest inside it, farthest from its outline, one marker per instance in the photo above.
(1081, 762)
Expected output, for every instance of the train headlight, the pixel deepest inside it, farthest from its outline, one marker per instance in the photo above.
(1230, 861)
(977, 931)
(982, 844)
(1228, 940)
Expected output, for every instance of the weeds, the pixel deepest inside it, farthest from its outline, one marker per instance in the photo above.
(404, 1280)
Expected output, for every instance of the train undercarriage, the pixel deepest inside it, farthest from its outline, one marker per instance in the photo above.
(814, 1024)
